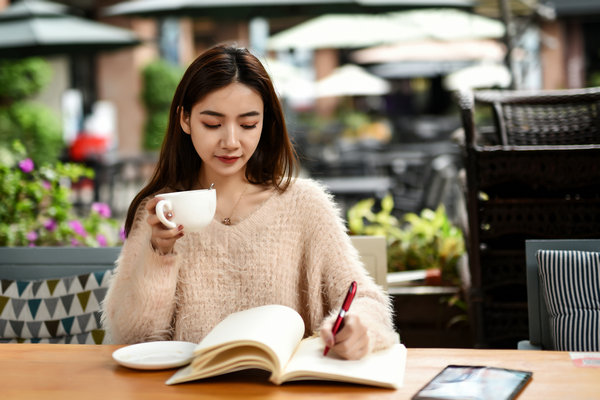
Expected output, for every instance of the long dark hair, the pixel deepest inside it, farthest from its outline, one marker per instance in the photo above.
(274, 161)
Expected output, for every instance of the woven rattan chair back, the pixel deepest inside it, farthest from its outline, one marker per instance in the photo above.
(559, 117)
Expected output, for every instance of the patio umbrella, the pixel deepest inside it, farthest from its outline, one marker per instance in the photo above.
(246, 9)
(342, 31)
(351, 80)
(290, 82)
(481, 76)
(355, 31)
(432, 50)
(451, 24)
(35, 27)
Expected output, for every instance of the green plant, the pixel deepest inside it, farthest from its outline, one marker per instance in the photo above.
(594, 79)
(36, 205)
(36, 126)
(160, 81)
(23, 78)
(155, 128)
(427, 240)
(362, 220)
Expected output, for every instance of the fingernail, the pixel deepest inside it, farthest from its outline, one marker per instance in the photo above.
(180, 228)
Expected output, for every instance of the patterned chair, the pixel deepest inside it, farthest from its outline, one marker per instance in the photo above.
(563, 288)
(53, 294)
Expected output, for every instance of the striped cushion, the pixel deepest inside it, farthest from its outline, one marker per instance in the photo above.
(571, 284)
(65, 310)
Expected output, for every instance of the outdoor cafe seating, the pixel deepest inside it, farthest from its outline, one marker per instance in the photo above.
(54, 294)
(532, 172)
(562, 294)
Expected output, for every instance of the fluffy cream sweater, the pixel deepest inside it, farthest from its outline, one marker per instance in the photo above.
(293, 250)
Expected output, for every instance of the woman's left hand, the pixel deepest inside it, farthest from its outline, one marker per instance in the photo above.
(351, 342)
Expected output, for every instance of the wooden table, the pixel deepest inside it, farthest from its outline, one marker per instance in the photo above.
(42, 372)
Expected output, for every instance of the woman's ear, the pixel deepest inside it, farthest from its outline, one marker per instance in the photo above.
(184, 121)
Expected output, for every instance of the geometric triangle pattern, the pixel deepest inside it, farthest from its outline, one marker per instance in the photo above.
(65, 310)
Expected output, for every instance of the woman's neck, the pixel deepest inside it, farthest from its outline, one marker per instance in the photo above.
(224, 184)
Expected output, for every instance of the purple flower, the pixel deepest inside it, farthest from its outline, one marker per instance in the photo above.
(101, 208)
(74, 242)
(122, 235)
(26, 165)
(46, 185)
(32, 236)
(50, 225)
(101, 240)
(78, 227)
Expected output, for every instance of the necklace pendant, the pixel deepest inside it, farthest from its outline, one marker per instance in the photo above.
(226, 221)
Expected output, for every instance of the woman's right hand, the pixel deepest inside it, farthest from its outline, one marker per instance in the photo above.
(163, 239)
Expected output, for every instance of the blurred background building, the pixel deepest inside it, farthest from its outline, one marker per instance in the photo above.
(367, 86)
(420, 52)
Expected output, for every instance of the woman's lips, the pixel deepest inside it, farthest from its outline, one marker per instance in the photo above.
(227, 160)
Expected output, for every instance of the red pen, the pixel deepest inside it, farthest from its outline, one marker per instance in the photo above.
(340, 318)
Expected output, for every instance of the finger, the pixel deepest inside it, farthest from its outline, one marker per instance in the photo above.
(163, 232)
(153, 220)
(327, 336)
(352, 353)
(353, 347)
(165, 239)
(151, 204)
(352, 340)
(350, 327)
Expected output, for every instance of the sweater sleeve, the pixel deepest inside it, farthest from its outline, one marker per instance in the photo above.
(140, 302)
(332, 253)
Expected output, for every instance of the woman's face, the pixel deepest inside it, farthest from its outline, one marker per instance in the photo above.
(225, 128)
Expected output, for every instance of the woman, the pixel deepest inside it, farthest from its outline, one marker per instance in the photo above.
(274, 239)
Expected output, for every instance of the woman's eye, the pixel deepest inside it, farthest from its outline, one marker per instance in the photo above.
(249, 126)
(210, 126)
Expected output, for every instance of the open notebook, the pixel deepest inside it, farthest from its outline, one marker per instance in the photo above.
(270, 338)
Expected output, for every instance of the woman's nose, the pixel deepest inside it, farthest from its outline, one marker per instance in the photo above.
(230, 136)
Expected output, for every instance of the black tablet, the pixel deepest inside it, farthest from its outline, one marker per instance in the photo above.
(466, 382)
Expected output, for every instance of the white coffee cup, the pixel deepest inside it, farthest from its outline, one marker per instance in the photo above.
(194, 209)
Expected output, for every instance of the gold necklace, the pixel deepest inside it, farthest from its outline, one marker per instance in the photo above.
(227, 220)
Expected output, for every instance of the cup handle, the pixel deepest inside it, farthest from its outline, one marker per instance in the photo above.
(160, 213)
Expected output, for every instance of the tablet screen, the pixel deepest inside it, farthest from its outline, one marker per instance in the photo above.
(474, 383)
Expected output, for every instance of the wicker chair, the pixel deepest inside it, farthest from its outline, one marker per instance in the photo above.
(532, 173)
(559, 117)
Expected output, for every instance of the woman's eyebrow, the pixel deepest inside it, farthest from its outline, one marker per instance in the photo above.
(212, 113)
(218, 114)
(250, 114)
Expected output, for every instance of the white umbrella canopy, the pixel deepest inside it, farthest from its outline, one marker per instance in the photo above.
(35, 27)
(432, 50)
(342, 31)
(356, 31)
(351, 80)
(450, 24)
(481, 76)
(246, 9)
(290, 82)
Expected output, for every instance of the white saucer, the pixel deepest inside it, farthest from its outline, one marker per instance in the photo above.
(155, 355)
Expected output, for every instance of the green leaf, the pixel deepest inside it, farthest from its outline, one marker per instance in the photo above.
(387, 204)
